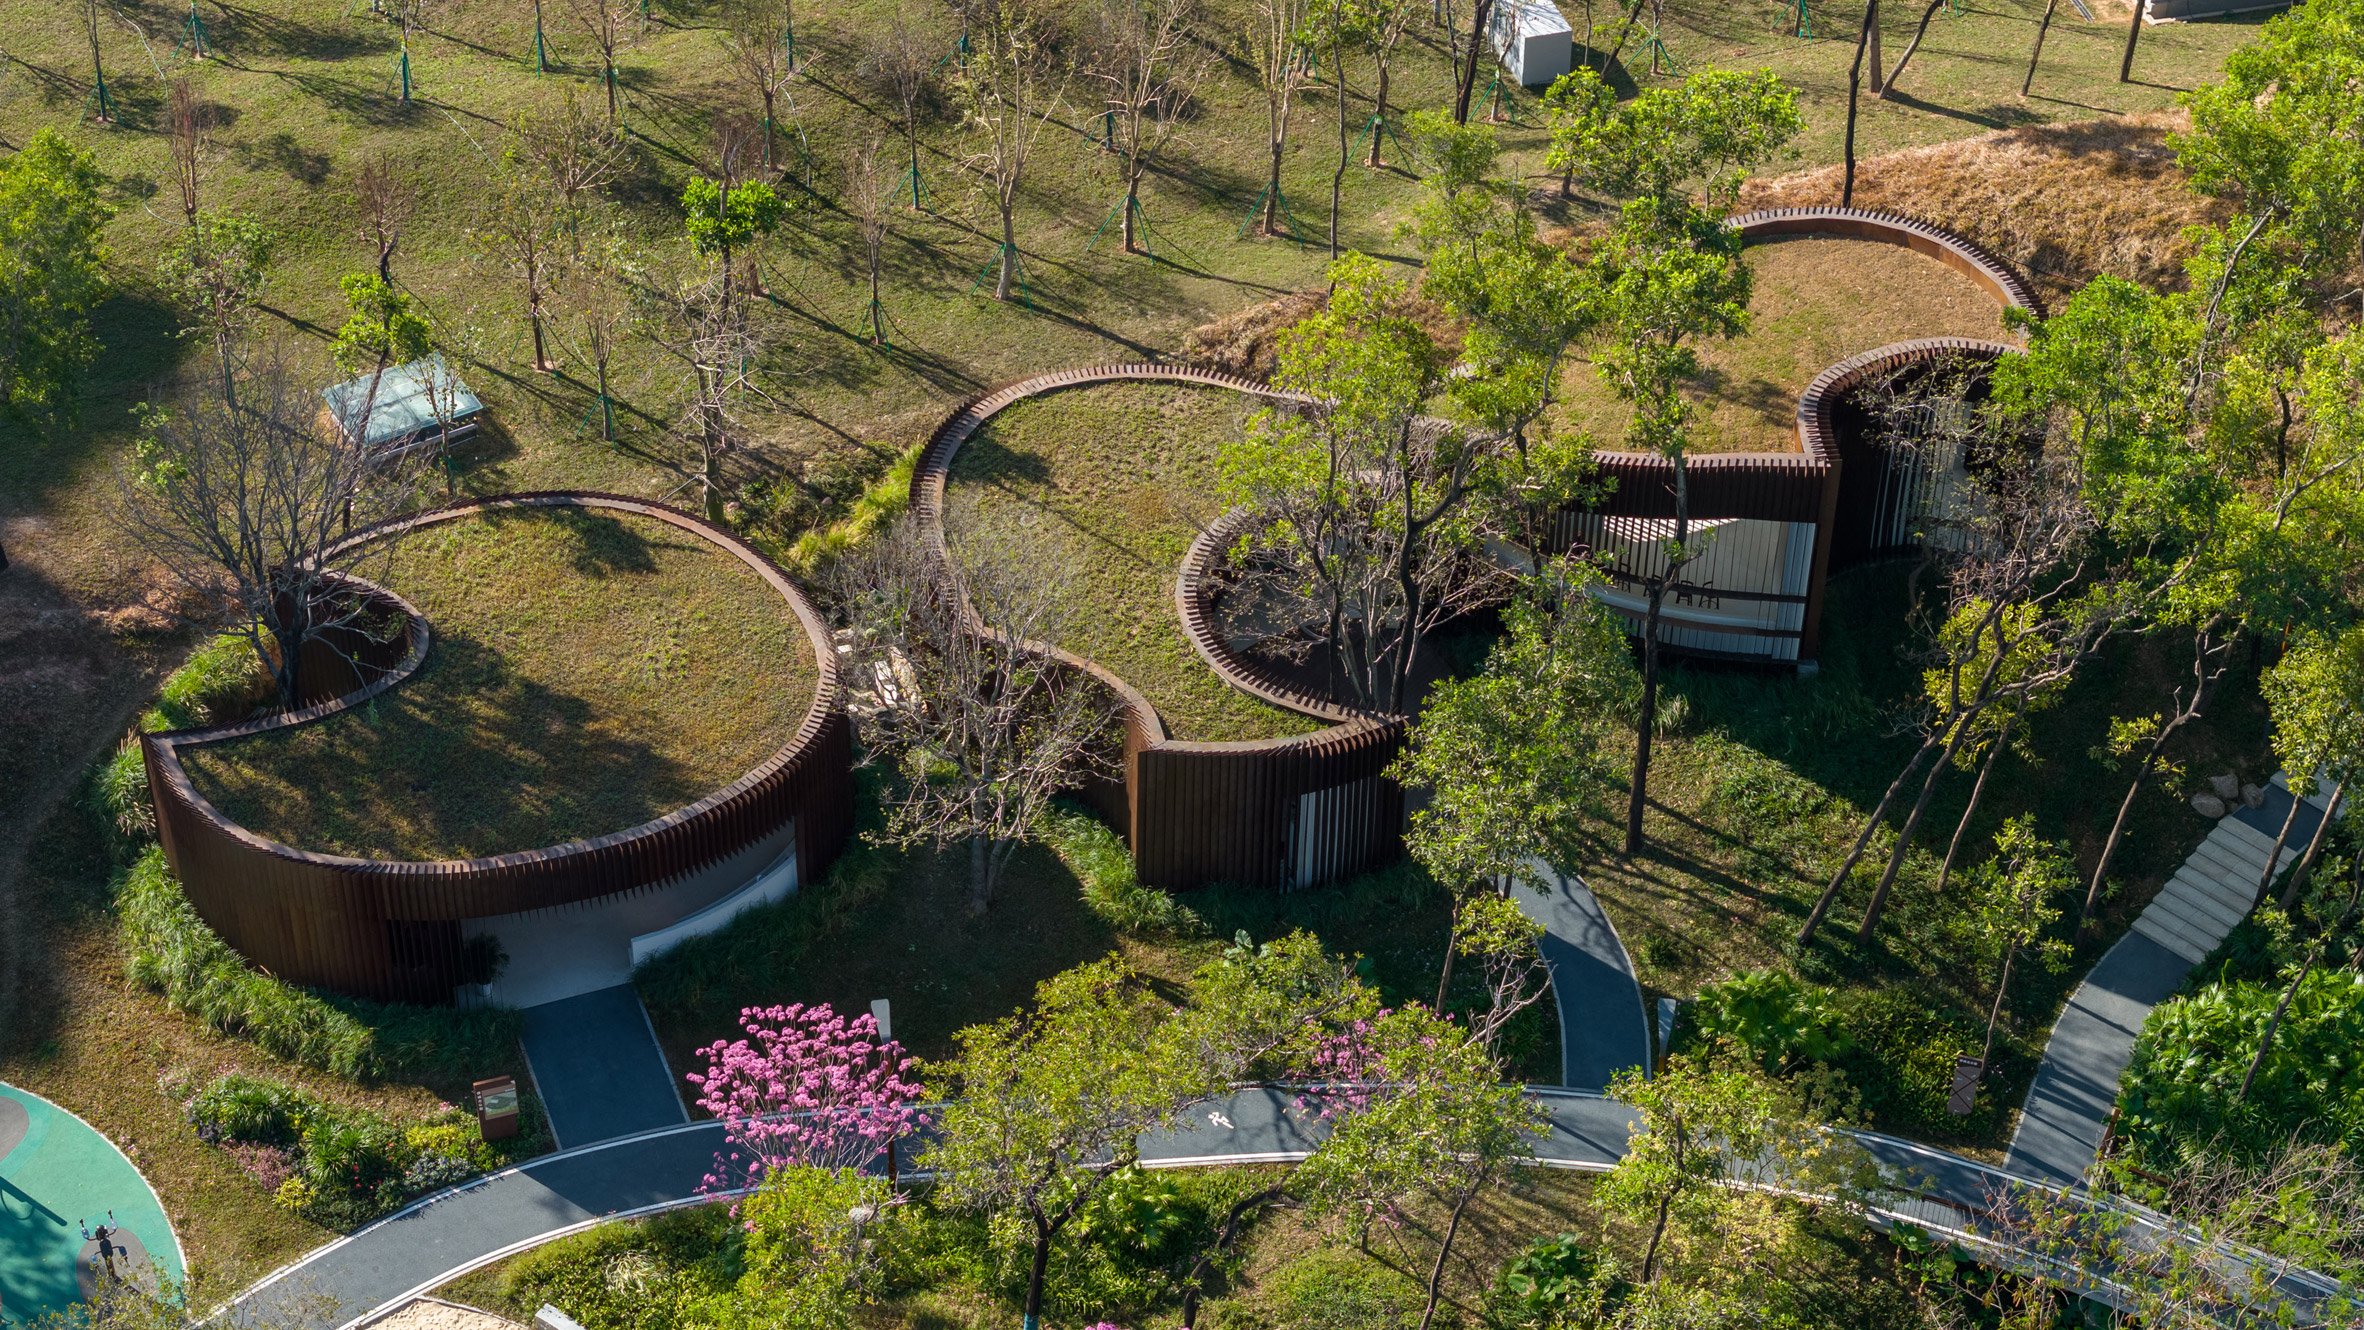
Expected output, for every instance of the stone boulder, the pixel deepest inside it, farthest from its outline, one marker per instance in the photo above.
(2208, 805)
(2227, 786)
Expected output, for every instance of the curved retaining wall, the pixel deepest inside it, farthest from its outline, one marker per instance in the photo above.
(390, 929)
(1810, 484)
(1268, 812)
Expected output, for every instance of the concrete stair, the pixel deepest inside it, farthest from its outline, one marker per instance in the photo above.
(2216, 888)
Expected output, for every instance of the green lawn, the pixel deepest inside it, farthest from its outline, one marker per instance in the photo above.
(589, 671)
(1815, 303)
(1106, 487)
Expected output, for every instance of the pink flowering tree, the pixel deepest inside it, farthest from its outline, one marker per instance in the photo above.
(806, 1088)
(1344, 1069)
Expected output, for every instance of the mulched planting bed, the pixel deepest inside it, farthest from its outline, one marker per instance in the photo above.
(589, 671)
(1817, 301)
(1106, 486)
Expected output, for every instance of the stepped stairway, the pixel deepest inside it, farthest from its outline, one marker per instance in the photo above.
(2216, 888)
(2068, 1106)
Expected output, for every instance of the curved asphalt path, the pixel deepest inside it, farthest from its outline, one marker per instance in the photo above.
(1604, 1026)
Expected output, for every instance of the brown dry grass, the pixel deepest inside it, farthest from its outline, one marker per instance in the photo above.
(2062, 202)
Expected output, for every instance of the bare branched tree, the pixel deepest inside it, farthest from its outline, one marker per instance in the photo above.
(608, 26)
(575, 153)
(871, 182)
(591, 299)
(1277, 34)
(515, 228)
(717, 351)
(1148, 59)
(386, 200)
(1010, 88)
(189, 125)
(982, 727)
(242, 505)
(902, 57)
(755, 34)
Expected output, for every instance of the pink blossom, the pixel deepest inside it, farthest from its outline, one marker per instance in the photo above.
(807, 1087)
(1348, 1069)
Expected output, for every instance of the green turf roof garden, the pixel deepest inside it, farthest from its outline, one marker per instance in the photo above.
(589, 671)
(409, 400)
(1108, 485)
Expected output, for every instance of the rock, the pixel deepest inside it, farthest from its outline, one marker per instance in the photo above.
(2227, 786)
(2253, 796)
(2208, 805)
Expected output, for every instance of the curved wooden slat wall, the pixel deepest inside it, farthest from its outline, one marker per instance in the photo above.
(1195, 813)
(390, 929)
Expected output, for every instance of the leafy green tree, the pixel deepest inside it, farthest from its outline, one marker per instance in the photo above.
(1512, 758)
(2012, 907)
(1433, 1124)
(813, 1238)
(384, 328)
(724, 216)
(1701, 1124)
(2315, 695)
(1364, 539)
(215, 270)
(1667, 276)
(1525, 303)
(52, 273)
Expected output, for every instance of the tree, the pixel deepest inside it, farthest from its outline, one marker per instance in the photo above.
(1525, 304)
(102, 103)
(981, 725)
(1511, 759)
(1149, 59)
(386, 201)
(1702, 1123)
(2012, 908)
(730, 214)
(1386, 22)
(717, 350)
(188, 124)
(1332, 28)
(1668, 275)
(1431, 1121)
(408, 16)
(1040, 1108)
(576, 155)
(608, 25)
(813, 1252)
(383, 329)
(757, 36)
(1278, 33)
(52, 273)
(1008, 93)
(2315, 695)
(903, 57)
(592, 300)
(871, 183)
(215, 272)
(242, 503)
(1865, 39)
(2330, 921)
(515, 229)
(1361, 545)
(806, 1089)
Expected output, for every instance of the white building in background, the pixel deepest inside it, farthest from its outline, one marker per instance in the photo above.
(1534, 40)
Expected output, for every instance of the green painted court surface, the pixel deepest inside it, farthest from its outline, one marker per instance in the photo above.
(56, 1173)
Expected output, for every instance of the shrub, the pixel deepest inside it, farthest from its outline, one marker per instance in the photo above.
(354, 1163)
(1901, 1060)
(639, 1276)
(220, 683)
(1547, 1282)
(1330, 1289)
(1776, 1018)
(2183, 1085)
(122, 792)
(880, 503)
(1111, 889)
(251, 1109)
(175, 954)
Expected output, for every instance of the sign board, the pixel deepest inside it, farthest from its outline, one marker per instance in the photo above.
(496, 1107)
(1965, 1096)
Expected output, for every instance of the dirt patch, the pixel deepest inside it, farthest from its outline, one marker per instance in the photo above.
(2064, 203)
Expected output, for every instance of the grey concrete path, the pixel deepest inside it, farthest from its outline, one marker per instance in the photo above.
(598, 1069)
(452, 1233)
(1604, 1027)
(2069, 1103)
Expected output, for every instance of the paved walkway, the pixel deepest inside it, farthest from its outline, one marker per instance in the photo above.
(2069, 1104)
(1604, 1028)
(598, 1069)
